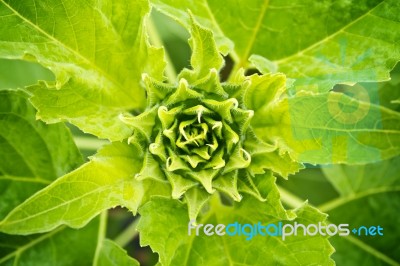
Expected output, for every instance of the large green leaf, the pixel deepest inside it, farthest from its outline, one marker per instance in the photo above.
(74, 199)
(370, 196)
(97, 51)
(318, 43)
(330, 128)
(32, 154)
(164, 226)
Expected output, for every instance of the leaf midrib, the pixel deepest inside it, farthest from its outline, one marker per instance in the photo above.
(99, 189)
(25, 179)
(216, 25)
(257, 27)
(335, 203)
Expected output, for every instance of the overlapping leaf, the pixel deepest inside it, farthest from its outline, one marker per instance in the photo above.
(74, 199)
(29, 162)
(331, 128)
(32, 154)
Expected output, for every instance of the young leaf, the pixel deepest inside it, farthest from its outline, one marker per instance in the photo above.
(97, 65)
(205, 55)
(318, 44)
(74, 199)
(68, 104)
(330, 128)
(374, 189)
(28, 162)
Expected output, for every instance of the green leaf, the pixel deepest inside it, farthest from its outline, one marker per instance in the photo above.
(74, 199)
(370, 194)
(68, 104)
(263, 90)
(318, 44)
(330, 128)
(205, 55)
(97, 64)
(62, 246)
(112, 254)
(196, 198)
(32, 154)
(164, 226)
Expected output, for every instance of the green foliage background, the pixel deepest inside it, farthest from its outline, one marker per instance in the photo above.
(363, 194)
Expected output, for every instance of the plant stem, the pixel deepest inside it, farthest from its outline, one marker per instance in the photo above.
(371, 250)
(128, 234)
(87, 143)
(234, 70)
(156, 40)
(100, 236)
(289, 198)
(335, 203)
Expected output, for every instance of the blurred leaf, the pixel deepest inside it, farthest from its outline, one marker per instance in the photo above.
(174, 38)
(351, 180)
(18, 74)
(370, 196)
(310, 184)
(32, 154)
(112, 254)
(61, 247)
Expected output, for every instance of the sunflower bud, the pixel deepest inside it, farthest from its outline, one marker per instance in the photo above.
(197, 135)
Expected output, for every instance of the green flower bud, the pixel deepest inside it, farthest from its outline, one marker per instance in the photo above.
(197, 135)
